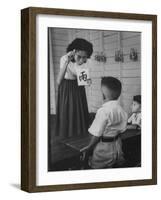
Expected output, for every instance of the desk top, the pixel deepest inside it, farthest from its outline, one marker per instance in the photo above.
(65, 151)
(80, 142)
(130, 133)
(62, 151)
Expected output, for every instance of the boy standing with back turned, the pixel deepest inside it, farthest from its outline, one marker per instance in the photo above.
(110, 121)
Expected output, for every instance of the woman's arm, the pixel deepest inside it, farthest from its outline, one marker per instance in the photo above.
(62, 72)
(63, 66)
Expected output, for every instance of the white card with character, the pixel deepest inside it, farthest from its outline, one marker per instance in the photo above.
(83, 77)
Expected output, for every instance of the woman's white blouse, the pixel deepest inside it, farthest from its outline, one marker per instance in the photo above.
(71, 72)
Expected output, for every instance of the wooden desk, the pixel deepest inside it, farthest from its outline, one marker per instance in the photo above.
(131, 145)
(63, 157)
(78, 143)
(66, 153)
(131, 133)
(131, 140)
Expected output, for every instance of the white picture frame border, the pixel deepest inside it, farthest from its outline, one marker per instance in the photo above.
(43, 177)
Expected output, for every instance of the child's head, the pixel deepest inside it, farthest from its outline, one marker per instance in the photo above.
(84, 50)
(111, 88)
(136, 104)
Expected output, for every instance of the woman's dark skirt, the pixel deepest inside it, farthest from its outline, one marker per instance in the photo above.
(72, 116)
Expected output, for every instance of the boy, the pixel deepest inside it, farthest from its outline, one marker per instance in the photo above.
(135, 120)
(109, 122)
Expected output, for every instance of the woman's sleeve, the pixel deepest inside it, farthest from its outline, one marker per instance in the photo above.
(63, 61)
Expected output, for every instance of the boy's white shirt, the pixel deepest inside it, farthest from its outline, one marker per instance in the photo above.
(135, 119)
(110, 120)
(71, 72)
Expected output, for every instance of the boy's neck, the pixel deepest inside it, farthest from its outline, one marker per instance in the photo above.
(107, 100)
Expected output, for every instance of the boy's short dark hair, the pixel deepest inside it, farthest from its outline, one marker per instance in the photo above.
(82, 45)
(137, 98)
(114, 85)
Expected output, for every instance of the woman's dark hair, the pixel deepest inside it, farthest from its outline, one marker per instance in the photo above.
(114, 85)
(82, 45)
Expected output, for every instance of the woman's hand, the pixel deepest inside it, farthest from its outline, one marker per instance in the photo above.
(64, 63)
(70, 55)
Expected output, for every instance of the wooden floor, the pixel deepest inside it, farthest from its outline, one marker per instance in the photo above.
(65, 154)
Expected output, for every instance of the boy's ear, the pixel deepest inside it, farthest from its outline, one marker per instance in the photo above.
(103, 96)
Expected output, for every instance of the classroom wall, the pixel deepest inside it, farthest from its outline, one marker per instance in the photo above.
(128, 72)
(131, 70)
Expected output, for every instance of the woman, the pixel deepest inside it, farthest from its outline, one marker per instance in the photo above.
(72, 117)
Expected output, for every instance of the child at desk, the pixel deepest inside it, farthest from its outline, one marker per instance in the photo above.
(134, 122)
(110, 121)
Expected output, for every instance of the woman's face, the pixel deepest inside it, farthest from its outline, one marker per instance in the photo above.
(80, 57)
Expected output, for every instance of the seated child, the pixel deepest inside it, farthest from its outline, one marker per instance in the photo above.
(134, 121)
(110, 121)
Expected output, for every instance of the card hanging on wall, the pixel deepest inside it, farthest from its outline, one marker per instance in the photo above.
(133, 54)
(119, 57)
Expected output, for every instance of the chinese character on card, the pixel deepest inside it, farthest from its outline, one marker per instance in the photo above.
(83, 76)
